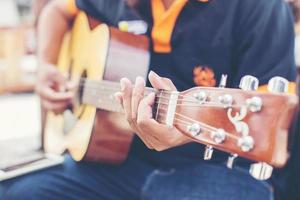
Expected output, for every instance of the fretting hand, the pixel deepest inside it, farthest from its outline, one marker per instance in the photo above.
(138, 111)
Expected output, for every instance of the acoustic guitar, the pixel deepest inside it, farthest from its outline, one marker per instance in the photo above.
(242, 122)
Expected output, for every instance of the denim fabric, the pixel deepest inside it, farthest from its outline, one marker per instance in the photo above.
(136, 179)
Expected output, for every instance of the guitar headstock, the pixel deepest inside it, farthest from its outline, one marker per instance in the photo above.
(242, 122)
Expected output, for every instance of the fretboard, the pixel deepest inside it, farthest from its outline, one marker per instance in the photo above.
(101, 94)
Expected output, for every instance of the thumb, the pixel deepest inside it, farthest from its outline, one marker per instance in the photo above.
(160, 82)
(58, 80)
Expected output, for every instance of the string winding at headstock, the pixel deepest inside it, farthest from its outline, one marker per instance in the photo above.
(242, 122)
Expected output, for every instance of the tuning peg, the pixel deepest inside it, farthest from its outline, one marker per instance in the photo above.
(249, 83)
(200, 96)
(246, 143)
(278, 85)
(208, 152)
(261, 171)
(223, 81)
(226, 100)
(218, 136)
(230, 160)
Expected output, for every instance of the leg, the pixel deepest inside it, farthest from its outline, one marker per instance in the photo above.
(205, 182)
(74, 181)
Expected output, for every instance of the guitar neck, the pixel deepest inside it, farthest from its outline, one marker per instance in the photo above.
(100, 94)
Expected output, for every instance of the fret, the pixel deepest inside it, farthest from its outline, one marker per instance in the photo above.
(101, 94)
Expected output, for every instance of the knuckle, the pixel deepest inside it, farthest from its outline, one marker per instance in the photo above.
(56, 112)
(129, 119)
(167, 79)
(51, 107)
(148, 146)
(134, 118)
(141, 123)
(136, 94)
(160, 148)
(44, 104)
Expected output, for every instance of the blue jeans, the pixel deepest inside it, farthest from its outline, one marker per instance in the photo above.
(136, 179)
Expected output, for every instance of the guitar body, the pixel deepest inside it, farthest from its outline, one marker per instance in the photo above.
(96, 52)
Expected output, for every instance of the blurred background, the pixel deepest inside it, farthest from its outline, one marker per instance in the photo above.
(18, 65)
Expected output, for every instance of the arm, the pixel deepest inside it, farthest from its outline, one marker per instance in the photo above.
(54, 22)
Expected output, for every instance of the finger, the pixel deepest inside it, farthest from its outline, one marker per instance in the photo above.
(137, 96)
(145, 140)
(118, 98)
(126, 88)
(160, 83)
(57, 107)
(170, 84)
(49, 94)
(145, 107)
(58, 80)
(161, 136)
(70, 85)
(149, 128)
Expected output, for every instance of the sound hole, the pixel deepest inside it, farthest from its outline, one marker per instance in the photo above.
(75, 110)
(77, 103)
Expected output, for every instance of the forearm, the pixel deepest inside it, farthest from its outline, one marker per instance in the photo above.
(54, 22)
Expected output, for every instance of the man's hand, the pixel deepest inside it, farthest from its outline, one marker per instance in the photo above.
(51, 84)
(138, 111)
(53, 89)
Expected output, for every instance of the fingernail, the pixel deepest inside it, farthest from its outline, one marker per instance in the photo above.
(118, 96)
(140, 80)
(71, 85)
(153, 73)
(122, 84)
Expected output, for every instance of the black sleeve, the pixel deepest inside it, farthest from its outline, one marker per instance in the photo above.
(264, 41)
(108, 11)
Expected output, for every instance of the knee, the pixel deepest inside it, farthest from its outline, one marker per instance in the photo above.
(21, 188)
(34, 186)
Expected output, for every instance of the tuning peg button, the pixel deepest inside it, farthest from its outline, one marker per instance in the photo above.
(223, 81)
(208, 152)
(261, 171)
(249, 83)
(231, 160)
(278, 85)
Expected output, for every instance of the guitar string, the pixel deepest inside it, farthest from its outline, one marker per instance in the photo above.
(203, 124)
(208, 132)
(186, 98)
(198, 103)
(202, 105)
(103, 87)
(109, 89)
(194, 121)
